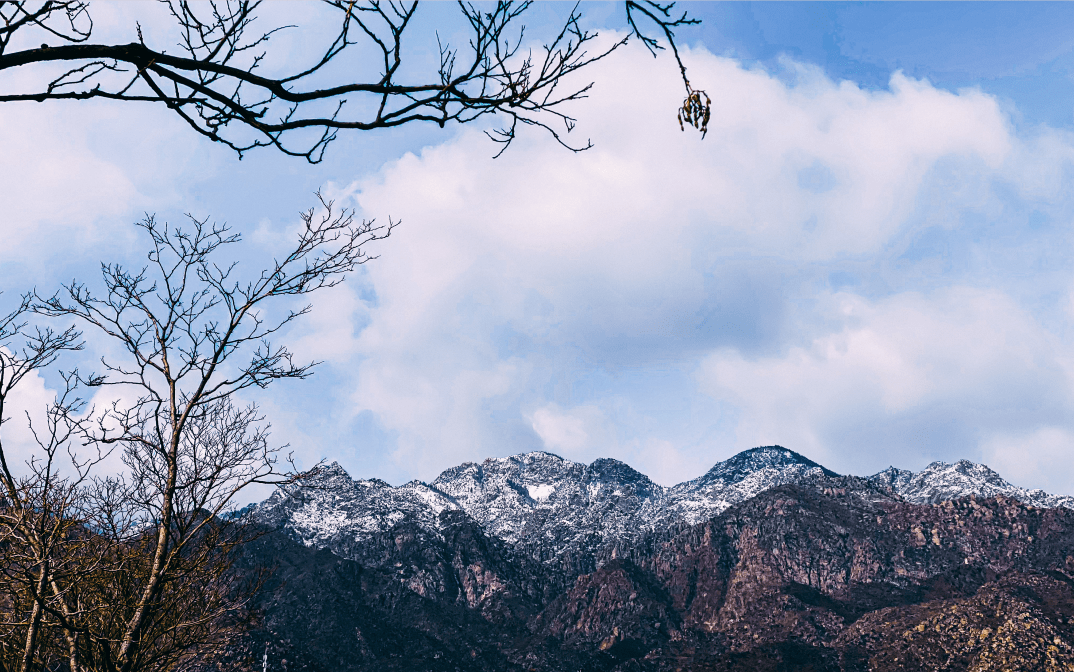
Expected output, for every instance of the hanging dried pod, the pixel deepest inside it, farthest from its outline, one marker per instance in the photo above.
(696, 110)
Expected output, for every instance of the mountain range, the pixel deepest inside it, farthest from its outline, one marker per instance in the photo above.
(767, 561)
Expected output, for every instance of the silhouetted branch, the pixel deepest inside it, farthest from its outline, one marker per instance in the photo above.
(217, 85)
(696, 109)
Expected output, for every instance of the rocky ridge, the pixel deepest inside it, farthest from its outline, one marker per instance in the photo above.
(941, 481)
(737, 479)
(334, 511)
(832, 573)
(570, 515)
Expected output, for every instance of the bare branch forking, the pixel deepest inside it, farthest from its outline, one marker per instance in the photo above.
(696, 109)
(218, 84)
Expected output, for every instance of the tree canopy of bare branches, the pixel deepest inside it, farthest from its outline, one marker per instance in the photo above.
(118, 572)
(40, 510)
(214, 77)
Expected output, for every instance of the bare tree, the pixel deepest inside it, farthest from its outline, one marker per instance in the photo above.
(131, 571)
(216, 83)
(133, 612)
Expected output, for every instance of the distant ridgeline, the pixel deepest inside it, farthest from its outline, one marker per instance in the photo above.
(768, 561)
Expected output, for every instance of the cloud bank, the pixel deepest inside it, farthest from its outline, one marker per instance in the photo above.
(832, 268)
(870, 277)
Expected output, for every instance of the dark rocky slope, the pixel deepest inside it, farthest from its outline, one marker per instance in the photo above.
(813, 577)
(833, 573)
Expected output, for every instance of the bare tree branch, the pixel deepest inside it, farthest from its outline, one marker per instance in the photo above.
(696, 109)
(215, 81)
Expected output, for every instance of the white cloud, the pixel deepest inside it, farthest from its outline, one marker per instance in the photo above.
(598, 304)
(26, 404)
(904, 379)
(1040, 457)
(572, 433)
(328, 333)
(508, 277)
(52, 179)
(74, 176)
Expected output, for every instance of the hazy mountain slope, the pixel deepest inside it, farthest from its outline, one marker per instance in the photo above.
(836, 575)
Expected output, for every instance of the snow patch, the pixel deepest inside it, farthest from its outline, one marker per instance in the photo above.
(540, 492)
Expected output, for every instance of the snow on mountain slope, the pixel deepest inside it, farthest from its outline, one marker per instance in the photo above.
(332, 510)
(564, 513)
(550, 506)
(554, 510)
(941, 481)
(737, 479)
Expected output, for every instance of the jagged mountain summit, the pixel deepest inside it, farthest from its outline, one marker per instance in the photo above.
(941, 481)
(336, 512)
(567, 514)
(554, 509)
(737, 479)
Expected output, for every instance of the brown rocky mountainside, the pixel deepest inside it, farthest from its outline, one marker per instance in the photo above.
(837, 573)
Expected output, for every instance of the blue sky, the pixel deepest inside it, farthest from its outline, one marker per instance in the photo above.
(868, 258)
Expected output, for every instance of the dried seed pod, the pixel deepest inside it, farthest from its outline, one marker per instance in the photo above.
(695, 111)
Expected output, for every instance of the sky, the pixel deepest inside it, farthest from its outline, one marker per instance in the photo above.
(866, 260)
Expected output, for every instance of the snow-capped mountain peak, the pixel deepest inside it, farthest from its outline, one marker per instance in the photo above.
(894, 478)
(549, 505)
(765, 459)
(737, 479)
(942, 481)
(559, 511)
(331, 509)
